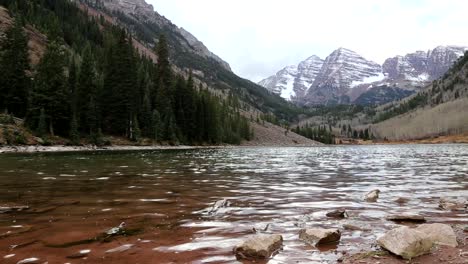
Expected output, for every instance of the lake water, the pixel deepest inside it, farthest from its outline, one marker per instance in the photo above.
(164, 198)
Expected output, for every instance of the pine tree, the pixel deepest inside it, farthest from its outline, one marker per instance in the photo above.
(14, 65)
(74, 134)
(156, 125)
(86, 92)
(42, 126)
(163, 82)
(51, 91)
(119, 82)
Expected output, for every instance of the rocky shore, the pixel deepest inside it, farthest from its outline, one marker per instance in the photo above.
(63, 148)
(405, 243)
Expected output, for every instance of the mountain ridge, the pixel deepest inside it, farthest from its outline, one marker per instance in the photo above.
(345, 75)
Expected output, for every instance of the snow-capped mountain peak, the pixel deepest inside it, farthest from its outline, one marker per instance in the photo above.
(344, 75)
(293, 81)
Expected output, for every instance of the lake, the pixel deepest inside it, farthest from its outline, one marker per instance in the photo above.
(164, 198)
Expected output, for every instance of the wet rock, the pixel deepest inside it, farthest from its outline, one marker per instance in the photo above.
(259, 247)
(402, 200)
(406, 217)
(406, 242)
(120, 249)
(320, 236)
(81, 254)
(337, 214)
(28, 261)
(116, 230)
(355, 227)
(372, 196)
(218, 205)
(440, 234)
(13, 208)
(458, 204)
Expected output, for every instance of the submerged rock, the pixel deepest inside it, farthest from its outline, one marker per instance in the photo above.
(259, 247)
(337, 214)
(355, 227)
(116, 230)
(458, 204)
(372, 196)
(406, 217)
(81, 254)
(320, 236)
(402, 200)
(28, 261)
(406, 242)
(13, 208)
(218, 205)
(440, 234)
(120, 249)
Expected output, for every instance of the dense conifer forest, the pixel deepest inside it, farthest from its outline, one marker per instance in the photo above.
(92, 82)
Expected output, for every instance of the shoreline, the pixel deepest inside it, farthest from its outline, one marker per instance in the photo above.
(85, 148)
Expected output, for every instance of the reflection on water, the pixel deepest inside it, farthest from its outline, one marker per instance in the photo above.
(165, 196)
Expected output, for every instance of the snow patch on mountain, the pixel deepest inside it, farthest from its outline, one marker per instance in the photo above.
(370, 79)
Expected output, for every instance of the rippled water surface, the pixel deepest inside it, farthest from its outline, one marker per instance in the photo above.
(164, 198)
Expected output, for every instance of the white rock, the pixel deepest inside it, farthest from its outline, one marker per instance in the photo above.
(259, 247)
(320, 236)
(372, 196)
(406, 242)
(440, 234)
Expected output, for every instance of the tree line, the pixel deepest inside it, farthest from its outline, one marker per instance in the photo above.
(321, 134)
(92, 81)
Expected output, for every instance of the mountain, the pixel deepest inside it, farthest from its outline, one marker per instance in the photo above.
(437, 110)
(381, 95)
(341, 70)
(294, 81)
(144, 12)
(345, 76)
(421, 67)
(187, 53)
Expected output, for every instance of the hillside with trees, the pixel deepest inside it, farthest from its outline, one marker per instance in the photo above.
(92, 82)
(438, 110)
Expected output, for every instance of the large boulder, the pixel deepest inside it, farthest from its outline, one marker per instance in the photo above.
(259, 247)
(406, 242)
(320, 236)
(372, 196)
(440, 234)
(458, 204)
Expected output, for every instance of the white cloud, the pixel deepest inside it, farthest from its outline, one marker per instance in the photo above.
(258, 37)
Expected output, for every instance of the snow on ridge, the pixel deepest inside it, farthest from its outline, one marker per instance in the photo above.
(424, 77)
(371, 79)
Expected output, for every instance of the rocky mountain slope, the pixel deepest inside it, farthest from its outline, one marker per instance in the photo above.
(437, 110)
(145, 13)
(293, 81)
(187, 53)
(345, 76)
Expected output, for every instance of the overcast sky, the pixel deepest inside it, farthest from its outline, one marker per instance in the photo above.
(259, 37)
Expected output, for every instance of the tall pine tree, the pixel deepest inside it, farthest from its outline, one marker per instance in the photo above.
(50, 92)
(14, 65)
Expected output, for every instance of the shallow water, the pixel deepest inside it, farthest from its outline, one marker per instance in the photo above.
(165, 196)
